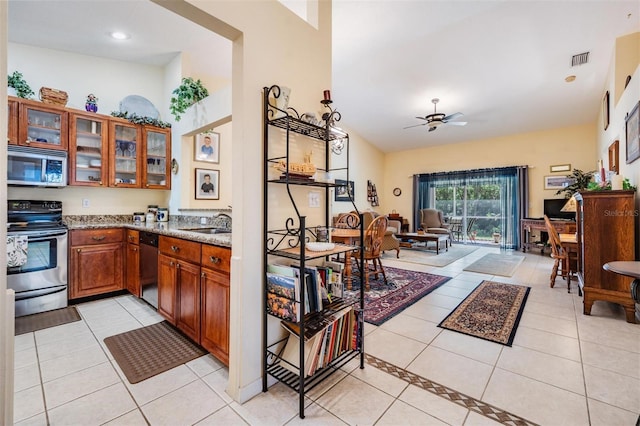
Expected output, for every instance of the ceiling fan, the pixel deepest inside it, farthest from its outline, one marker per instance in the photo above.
(437, 118)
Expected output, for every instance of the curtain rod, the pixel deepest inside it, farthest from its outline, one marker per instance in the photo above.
(471, 170)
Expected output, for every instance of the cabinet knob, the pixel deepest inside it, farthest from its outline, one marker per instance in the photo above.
(175, 249)
(147, 185)
(98, 238)
(202, 274)
(27, 141)
(214, 259)
(135, 249)
(172, 263)
(78, 250)
(177, 265)
(100, 182)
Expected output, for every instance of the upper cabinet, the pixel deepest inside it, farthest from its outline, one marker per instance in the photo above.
(42, 125)
(125, 143)
(12, 125)
(88, 153)
(157, 154)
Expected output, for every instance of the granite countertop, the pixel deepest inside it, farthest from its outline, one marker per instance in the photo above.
(175, 229)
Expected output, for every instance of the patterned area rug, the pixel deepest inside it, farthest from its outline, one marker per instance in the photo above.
(491, 312)
(423, 257)
(35, 322)
(151, 350)
(403, 289)
(496, 264)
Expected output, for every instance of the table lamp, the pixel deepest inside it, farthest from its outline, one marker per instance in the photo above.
(571, 206)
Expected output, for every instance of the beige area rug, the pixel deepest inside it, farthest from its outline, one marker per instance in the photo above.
(424, 257)
(151, 350)
(496, 264)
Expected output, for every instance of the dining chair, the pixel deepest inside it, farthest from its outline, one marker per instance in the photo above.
(373, 237)
(566, 262)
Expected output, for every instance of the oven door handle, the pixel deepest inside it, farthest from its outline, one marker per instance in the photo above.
(40, 236)
(24, 295)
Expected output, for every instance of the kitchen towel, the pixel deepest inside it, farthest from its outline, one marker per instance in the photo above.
(17, 250)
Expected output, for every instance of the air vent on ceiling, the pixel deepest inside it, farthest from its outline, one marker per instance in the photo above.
(579, 59)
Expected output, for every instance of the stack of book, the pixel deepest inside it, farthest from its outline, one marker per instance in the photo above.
(323, 342)
(283, 288)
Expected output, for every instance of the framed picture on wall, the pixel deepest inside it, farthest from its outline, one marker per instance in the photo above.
(207, 147)
(632, 124)
(605, 110)
(345, 191)
(558, 182)
(207, 184)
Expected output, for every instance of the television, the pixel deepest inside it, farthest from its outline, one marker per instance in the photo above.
(553, 207)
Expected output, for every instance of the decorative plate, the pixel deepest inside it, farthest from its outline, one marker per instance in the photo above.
(140, 106)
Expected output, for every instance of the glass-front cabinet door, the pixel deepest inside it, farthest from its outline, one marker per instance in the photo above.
(12, 125)
(42, 126)
(88, 143)
(125, 143)
(156, 164)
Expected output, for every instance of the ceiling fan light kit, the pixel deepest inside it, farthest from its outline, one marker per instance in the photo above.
(433, 121)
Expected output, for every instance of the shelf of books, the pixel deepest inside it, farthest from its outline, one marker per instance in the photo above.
(312, 326)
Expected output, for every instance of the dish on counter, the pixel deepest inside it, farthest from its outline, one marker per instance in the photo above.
(318, 246)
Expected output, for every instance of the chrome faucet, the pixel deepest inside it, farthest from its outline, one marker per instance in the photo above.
(228, 220)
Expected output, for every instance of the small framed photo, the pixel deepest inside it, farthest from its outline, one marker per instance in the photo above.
(345, 191)
(558, 182)
(632, 124)
(560, 168)
(207, 147)
(207, 184)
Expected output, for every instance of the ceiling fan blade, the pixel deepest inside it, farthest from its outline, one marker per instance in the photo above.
(456, 123)
(452, 116)
(421, 118)
(416, 125)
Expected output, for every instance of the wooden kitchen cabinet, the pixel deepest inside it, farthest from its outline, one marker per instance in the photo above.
(96, 261)
(42, 125)
(12, 118)
(606, 231)
(215, 286)
(132, 263)
(179, 284)
(125, 146)
(156, 163)
(88, 149)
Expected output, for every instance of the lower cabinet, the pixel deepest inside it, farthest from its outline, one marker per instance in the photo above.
(132, 262)
(214, 335)
(96, 259)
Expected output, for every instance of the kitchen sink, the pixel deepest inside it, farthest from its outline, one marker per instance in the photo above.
(208, 230)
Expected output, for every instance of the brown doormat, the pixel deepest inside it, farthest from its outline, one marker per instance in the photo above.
(491, 312)
(35, 322)
(151, 350)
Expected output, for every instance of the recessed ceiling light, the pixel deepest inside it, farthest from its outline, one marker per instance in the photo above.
(570, 78)
(119, 35)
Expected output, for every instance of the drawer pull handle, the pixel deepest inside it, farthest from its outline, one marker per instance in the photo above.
(214, 259)
(98, 238)
(175, 248)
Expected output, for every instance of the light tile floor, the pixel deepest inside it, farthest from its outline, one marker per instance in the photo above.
(564, 368)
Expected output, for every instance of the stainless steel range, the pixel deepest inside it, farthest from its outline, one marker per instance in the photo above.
(36, 255)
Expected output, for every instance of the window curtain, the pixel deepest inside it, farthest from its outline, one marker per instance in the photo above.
(513, 196)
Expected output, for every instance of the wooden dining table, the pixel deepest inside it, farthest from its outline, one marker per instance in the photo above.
(350, 237)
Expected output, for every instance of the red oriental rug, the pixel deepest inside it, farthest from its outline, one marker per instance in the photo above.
(403, 289)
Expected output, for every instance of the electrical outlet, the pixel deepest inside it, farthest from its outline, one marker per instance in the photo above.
(314, 199)
(85, 203)
(203, 221)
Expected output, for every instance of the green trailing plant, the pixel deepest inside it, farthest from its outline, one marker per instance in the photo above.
(17, 81)
(136, 119)
(187, 94)
(582, 180)
(626, 185)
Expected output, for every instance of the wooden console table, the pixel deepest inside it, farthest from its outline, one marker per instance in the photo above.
(527, 225)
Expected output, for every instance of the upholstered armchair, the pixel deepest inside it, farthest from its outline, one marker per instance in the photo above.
(432, 222)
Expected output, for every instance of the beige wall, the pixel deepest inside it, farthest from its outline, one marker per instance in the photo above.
(538, 150)
(627, 57)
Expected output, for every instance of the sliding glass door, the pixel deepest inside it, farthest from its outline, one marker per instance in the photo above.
(480, 205)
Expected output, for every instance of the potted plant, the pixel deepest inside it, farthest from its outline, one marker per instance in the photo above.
(22, 88)
(496, 235)
(582, 180)
(187, 94)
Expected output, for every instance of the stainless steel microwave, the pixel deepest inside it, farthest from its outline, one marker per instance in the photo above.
(36, 167)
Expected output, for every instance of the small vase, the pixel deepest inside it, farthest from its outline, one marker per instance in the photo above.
(91, 107)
